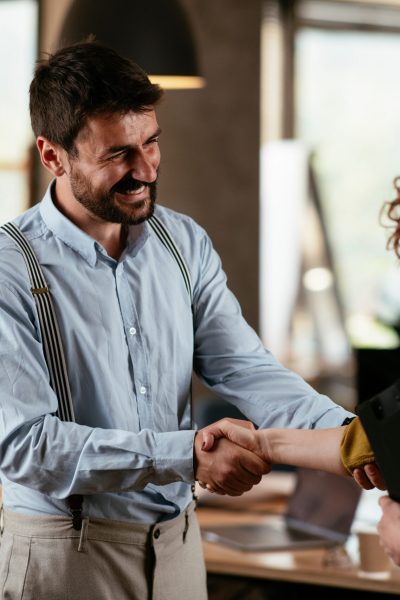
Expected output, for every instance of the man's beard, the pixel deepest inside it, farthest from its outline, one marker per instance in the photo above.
(104, 205)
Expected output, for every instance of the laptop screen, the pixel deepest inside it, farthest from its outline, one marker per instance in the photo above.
(324, 501)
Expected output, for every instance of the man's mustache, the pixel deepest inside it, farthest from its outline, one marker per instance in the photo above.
(129, 184)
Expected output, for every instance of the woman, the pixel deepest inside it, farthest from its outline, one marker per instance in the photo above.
(389, 525)
(342, 450)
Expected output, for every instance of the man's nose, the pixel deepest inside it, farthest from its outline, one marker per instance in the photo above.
(144, 167)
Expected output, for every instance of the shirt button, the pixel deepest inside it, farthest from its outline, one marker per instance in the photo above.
(132, 331)
(142, 389)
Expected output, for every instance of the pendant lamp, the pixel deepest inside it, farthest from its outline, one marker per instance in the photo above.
(153, 33)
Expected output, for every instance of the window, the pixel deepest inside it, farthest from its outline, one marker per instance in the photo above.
(330, 108)
(346, 110)
(18, 39)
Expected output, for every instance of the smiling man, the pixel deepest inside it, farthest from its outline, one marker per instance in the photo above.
(100, 506)
(110, 178)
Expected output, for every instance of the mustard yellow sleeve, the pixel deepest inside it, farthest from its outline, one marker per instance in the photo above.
(355, 450)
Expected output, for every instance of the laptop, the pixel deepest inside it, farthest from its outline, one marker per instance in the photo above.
(320, 513)
(380, 417)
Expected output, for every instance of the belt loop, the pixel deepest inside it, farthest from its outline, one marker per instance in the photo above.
(186, 527)
(83, 535)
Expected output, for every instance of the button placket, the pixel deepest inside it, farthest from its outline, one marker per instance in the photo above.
(138, 357)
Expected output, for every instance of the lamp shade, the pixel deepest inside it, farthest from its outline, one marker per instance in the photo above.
(153, 33)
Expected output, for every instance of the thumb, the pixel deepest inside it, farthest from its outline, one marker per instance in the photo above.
(238, 435)
(208, 440)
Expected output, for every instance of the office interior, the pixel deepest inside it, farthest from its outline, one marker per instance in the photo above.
(285, 155)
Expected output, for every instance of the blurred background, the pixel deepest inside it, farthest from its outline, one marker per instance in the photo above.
(285, 152)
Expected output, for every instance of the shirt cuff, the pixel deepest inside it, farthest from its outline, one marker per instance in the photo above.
(335, 417)
(174, 457)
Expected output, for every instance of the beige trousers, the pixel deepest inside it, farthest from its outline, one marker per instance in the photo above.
(44, 558)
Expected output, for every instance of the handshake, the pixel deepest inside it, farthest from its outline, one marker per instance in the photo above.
(230, 456)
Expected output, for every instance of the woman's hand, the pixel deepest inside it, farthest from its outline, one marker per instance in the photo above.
(389, 528)
(240, 432)
(369, 476)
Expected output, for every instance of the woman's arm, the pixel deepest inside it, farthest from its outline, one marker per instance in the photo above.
(317, 448)
(324, 449)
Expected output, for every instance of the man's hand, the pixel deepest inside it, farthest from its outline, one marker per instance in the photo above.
(237, 431)
(389, 528)
(369, 477)
(228, 468)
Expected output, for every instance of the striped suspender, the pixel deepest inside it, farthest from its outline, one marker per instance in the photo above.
(162, 233)
(52, 344)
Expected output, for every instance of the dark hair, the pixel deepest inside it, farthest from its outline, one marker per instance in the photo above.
(393, 212)
(83, 80)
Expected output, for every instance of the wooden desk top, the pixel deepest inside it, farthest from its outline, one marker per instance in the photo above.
(336, 568)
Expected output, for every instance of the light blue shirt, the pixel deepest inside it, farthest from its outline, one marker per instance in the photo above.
(130, 341)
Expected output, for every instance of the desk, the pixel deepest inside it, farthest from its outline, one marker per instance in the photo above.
(311, 566)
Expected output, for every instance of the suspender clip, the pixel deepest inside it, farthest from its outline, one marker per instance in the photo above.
(75, 506)
(42, 290)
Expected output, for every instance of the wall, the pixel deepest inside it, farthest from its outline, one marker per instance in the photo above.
(210, 141)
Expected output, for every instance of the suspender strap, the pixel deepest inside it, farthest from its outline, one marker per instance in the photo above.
(165, 238)
(52, 345)
(53, 349)
(162, 233)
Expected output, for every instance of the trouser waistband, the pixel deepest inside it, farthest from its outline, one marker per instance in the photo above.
(97, 529)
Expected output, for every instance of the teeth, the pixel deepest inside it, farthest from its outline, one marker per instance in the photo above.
(132, 192)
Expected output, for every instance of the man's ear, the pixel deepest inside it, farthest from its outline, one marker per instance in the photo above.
(53, 157)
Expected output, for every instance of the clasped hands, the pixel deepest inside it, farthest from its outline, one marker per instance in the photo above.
(229, 457)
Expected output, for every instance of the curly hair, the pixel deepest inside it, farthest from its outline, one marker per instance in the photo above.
(392, 210)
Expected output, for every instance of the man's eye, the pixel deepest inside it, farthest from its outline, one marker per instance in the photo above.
(117, 156)
(153, 140)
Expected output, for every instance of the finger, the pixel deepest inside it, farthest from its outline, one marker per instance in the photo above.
(208, 440)
(233, 483)
(241, 436)
(234, 490)
(252, 464)
(384, 502)
(238, 435)
(238, 431)
(379, 529)
(215, 489)
(361, 478)
(210, 434)
(229, 488)
(374, 475)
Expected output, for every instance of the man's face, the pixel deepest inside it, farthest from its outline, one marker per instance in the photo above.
(114, 174)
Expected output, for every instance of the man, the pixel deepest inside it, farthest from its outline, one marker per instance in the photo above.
(131, 334)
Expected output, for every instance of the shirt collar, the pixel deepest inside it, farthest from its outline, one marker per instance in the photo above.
(78, 240)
